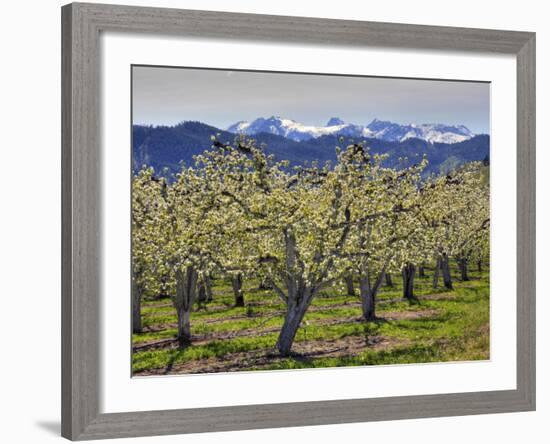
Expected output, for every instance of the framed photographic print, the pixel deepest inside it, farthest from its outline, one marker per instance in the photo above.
(278, 221)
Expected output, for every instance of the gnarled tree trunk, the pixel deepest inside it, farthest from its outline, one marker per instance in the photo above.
(299, 291)
(368, 294)
(298, 296)
(408, 273)
(186, 289)
(368, 300)
(293, 318)
(349, 285)
(237, 283)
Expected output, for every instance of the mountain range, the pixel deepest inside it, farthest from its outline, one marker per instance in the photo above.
(377, 129)
(166, 147)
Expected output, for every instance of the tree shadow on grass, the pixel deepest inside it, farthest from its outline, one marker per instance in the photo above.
(174, 356)
(413, 301)
(371, 329)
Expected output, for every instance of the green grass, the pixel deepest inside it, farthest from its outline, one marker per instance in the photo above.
(454, 327)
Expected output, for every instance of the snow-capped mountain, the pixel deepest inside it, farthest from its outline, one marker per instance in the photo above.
(379, 129)
(294, 130)
(430, 132)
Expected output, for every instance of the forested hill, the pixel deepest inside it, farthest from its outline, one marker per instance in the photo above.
(164, 147)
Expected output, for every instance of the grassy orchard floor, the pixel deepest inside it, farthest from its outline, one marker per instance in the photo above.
(442, 326)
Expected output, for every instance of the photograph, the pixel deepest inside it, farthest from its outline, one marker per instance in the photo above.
(286, 221)
(268, 222)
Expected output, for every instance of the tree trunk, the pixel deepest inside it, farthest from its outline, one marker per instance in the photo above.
(184, 327)
(446, 272)
(237, 282)
(368, 299)
(408, 273)
(389, 282)
(479, 266)
(349, 285)
(136, 307)
(463, 266)
(436, 272)
(298, 296)
(186, 289)
(368, 292)
(421, 271)
(293, 319)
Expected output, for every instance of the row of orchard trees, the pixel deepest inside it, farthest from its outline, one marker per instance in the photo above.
(238, 213)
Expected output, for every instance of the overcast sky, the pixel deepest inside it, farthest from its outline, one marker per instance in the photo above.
(166, 96)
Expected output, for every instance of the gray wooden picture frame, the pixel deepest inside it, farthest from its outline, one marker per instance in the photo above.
(81, 232)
